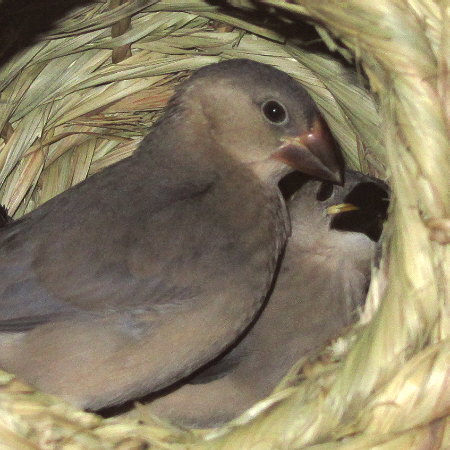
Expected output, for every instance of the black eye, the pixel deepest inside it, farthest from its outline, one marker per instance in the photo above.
(275, 112)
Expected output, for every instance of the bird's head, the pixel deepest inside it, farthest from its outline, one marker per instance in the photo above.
(262, 118)
(337, 214)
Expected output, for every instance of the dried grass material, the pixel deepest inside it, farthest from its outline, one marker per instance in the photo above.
(110, 106)
(66, 111)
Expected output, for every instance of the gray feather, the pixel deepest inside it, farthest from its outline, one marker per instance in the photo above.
(149, 269)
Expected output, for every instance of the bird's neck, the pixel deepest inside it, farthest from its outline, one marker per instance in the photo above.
(235, 181)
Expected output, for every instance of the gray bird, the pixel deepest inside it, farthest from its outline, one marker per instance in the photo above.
(144, 272)
(322, 281)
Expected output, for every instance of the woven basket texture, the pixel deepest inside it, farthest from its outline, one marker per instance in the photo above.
(84, 92)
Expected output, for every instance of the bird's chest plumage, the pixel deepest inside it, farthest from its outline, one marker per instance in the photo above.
(226, 239)
(249, 232)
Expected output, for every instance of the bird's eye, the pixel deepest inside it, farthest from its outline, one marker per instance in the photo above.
(275, 112)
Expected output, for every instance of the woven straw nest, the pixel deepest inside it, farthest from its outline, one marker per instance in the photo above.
(84, 94)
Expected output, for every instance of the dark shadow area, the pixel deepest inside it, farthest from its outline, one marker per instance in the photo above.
(4, 216)
(23, 21)
(284, 23)
(291, 183)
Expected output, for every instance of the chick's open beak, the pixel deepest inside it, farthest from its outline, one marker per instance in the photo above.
(313, 153)
(340, 208)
